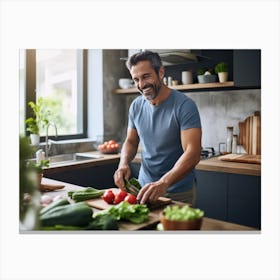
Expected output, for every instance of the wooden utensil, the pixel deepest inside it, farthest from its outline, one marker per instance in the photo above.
(49, 188)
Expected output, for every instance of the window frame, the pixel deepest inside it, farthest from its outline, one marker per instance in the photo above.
(30, 92)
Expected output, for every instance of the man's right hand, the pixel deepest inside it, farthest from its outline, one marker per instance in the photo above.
(121, 173)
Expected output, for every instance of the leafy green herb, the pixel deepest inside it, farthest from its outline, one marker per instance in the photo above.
(39, 166)
(135, 213)
(103, 222)
(40, 117)
(185, 213)
(221, 67)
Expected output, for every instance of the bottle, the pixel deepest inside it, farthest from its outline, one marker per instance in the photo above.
(229, 138)
(169, 81)
(40, 155)
(234, 144)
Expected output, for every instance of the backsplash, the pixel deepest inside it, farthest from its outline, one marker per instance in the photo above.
(224, 108)
(69, 146)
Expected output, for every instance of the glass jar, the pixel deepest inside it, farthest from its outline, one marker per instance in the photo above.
(229, 138)
(234, 144)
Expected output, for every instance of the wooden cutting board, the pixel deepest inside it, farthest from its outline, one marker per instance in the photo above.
(255, 159)
(100, 204)
(250, 134)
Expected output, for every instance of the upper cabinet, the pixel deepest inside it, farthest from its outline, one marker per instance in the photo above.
(247, 68)
(244, 67)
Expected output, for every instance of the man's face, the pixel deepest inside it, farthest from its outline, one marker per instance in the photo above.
(146, 79)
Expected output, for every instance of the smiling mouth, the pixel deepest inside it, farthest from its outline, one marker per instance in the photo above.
(147, 90)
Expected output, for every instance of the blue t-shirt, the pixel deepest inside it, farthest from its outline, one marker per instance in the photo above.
(159, 128)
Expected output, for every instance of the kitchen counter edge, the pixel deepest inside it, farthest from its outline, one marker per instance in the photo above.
(211, 164)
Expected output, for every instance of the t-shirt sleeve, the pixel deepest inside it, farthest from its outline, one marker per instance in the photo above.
(189, 115)
(131, 123)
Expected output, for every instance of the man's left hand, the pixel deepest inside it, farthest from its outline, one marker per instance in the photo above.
(152, 191)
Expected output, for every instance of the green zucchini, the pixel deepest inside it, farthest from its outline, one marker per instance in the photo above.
(60, 202)
(74, 214)
(86, 194)
(132, 186)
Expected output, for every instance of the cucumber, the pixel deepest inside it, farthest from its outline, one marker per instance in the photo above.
(60, 202)
(74, 214)
(88, 193)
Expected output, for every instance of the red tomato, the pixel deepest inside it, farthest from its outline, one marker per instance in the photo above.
(108, 196)
(112, 142)
(119, 197)
(130, 198)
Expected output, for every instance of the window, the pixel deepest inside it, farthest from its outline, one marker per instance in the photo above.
(60, 77)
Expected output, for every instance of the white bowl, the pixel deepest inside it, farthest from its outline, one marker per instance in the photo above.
(125, 83)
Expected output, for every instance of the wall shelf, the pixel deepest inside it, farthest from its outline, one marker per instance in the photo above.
(182, 87)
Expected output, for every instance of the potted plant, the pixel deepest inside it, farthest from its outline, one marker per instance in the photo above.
(206, 76)
(38, 167)
(222, 70)
(38, 121)
(175, 217)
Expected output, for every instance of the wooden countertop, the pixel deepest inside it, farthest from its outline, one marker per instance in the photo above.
(211, 164)
(207, 225)
(214, 164)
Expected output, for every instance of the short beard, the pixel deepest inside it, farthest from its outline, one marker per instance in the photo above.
(156, 89)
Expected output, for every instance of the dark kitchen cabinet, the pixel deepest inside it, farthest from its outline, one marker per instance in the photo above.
(211, 58)
(247, 68)
(230, 197)
(244, 200)
(98, 177)
(211, 194)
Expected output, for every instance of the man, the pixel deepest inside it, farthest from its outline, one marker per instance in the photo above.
(167, 125)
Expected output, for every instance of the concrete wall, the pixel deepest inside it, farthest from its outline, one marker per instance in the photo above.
(224, 108)
(113, 105)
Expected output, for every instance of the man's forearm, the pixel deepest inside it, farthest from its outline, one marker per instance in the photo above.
(128, 153)
(182, 167)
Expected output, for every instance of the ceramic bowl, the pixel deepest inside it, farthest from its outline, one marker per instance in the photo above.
(202, 79)
(125, 83)
(180, 225)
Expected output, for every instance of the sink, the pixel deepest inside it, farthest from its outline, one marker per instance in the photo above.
(69, 158)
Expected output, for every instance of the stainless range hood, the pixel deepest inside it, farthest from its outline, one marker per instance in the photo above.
(173, 56)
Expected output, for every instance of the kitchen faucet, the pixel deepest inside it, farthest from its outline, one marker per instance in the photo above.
(48, 146)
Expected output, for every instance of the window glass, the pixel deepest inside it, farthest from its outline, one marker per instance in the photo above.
(22, 71)
(59, 82)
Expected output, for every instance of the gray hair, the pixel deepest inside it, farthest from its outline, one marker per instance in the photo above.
(153, 57)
